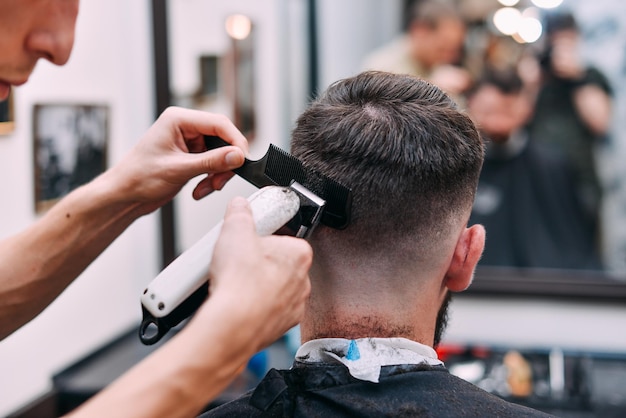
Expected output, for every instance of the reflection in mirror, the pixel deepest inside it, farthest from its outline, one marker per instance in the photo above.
(552, 191)
(591, 223)
(239, 72)
(213, 65)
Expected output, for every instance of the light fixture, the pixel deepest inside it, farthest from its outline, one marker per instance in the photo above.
(507, 20)
(238, 26)
(508, 3)
(530, 29)
(547, 4)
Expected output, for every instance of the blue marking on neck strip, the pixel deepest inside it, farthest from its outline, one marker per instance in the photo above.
(353, 351)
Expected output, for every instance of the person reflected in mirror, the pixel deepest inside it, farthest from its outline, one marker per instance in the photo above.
(573, 106)
(430, 48)
(526, 198)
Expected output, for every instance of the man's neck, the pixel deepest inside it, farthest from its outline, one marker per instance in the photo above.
(364, 323)
(371, 298)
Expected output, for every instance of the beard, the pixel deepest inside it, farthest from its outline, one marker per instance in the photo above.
(442, 319)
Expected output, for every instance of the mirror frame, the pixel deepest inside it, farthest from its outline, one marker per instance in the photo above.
(577, 284)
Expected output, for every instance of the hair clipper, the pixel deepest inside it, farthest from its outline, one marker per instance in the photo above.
(292, 200)
(178, 291)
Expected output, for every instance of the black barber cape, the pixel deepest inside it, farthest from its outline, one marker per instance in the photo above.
(328, 390)
(528, 202)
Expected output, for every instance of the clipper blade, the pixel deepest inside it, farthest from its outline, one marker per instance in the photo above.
(278, 167)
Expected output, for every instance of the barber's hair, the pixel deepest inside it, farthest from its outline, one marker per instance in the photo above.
(411, 158)
(506, 79)
(559, 21)
(431, 12)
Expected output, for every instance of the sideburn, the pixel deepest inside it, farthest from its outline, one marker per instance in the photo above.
(442, 319)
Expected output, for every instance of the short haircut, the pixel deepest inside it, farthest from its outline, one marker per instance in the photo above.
(411, 158)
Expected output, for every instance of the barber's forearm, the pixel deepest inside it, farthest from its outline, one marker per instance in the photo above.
(37, 264)
(183, 376)
(594, 108)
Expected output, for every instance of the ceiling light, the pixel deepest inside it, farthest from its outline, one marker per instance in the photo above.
(507, 20)
(547, 4)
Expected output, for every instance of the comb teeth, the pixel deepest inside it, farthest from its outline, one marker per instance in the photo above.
(281, 168)
(284, 168)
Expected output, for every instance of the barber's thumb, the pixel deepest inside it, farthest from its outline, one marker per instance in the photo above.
(219, 160)
(239, 212)
(234, 158)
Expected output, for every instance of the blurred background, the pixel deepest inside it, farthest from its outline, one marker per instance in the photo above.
(545, 81)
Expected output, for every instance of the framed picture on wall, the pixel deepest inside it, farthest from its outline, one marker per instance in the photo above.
(70, 148)
(7, 121)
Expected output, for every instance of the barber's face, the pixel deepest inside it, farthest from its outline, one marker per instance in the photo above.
(33, 29)
(440, 45)
(497, 114)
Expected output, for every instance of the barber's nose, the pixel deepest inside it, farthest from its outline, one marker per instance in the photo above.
(55, 46)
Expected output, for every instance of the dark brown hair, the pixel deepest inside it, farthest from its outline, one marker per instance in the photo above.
(431, 12)
(410, 156)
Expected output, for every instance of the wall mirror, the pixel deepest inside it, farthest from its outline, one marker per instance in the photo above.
(295, 48)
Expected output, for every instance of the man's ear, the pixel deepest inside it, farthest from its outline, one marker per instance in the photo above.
(467, 252)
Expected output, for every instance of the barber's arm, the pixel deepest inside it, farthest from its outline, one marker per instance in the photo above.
(592, 102)
(37, 264)
(257, 292)
(594, 106)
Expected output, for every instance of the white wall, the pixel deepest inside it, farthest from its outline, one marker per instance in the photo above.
(111, 64)
(349, 29)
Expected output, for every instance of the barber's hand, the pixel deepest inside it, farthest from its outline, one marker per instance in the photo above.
(262, 282)
(172, 152)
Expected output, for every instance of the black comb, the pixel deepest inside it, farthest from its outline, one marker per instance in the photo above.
(279, 168)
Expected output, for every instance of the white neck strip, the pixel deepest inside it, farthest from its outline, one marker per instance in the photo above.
(364, 357)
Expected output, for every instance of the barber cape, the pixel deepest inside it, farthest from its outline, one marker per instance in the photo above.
(367, 378)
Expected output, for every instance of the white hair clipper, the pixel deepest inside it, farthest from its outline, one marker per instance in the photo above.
(277, 208)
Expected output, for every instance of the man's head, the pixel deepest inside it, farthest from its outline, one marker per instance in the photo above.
(33, 29)
(437, 33)
(412, 160)
(560, 56)
(498, 105)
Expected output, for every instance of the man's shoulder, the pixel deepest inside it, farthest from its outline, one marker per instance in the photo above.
(239, 407)
(461, 398)
(422, 391)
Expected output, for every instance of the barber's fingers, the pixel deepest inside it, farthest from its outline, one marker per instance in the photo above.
(240, 250)
(211, 183)
(173, 150)
(293, 252)
(194, 124)
(219, 160)
(238, 217)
